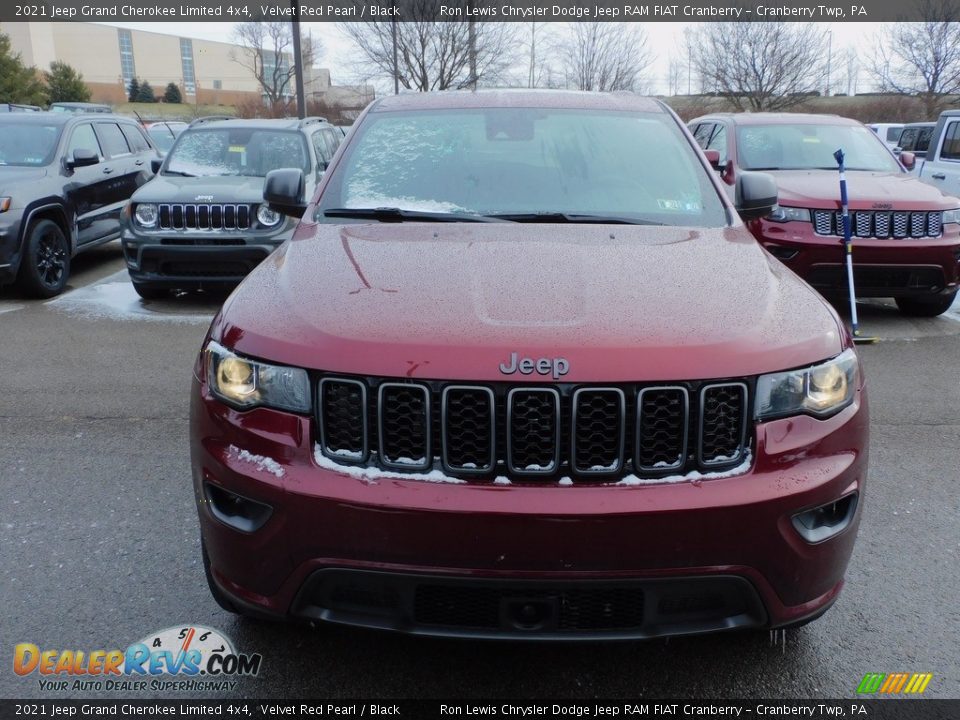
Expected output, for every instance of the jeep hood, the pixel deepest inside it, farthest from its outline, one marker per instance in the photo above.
(453, 301)
(12, 177)
(865, 190)
(219, 189)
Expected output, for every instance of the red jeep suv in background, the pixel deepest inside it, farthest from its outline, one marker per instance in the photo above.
(906, 234)
(522, 372)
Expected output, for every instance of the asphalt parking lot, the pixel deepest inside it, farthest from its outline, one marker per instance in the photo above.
(100, 538)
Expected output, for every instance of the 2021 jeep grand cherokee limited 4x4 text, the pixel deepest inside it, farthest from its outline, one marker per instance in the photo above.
(202, 222)
(521, 371)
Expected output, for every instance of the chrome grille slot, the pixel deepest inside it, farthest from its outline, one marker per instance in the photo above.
(723, 423)
(343, 419)
(404, 426)
(533, 431)
(862, 224)
(918, 224)
(662, 422)
(900, 220)
(468, 429)
(823, 222)
(179, 216)
(881, 221)
(599, 431)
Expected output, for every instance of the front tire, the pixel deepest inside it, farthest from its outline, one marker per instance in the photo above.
(46, 260)
(925, 306)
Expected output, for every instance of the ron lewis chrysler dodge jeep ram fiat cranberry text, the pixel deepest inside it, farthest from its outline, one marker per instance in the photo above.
(521, 371)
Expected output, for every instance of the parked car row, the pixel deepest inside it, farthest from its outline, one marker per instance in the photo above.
(67, 179)
(907, 234)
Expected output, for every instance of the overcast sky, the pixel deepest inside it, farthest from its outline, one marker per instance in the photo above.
(666, 40)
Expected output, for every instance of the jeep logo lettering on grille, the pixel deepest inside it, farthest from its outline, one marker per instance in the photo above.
(203, 198)
(543, 366)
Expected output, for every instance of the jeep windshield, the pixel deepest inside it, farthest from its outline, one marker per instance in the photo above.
(250, 152)
(522, 164)
(28, 144)
(807, 146)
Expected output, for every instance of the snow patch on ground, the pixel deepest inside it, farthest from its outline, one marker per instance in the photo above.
(373, 475)
(693, 476)
(114, 298)
(262, 462)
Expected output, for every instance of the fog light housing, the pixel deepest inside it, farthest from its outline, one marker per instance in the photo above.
(236, 511)
(826, 521)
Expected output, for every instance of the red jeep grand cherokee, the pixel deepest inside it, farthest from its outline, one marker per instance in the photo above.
(521, 371)
(906, 233)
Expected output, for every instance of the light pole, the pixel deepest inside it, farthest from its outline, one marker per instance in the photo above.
(829, 57)
(297, 61)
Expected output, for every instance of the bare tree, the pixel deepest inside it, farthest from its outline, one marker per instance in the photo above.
(606, 56)
(266, 49)
(760, 66)
(922, 58)
(433, 55)
(675, 75)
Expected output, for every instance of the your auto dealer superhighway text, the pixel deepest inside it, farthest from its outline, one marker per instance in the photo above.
(813, 710)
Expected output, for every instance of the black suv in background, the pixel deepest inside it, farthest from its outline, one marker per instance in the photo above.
(202, 222)
(64, 180)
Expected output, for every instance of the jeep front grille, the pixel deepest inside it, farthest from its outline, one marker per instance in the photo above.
(880, 224)
(204, 217)
(527, 432)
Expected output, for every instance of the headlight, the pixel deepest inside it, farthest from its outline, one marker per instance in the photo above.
(786, 214)
(951, 216)
(146, 214)
(245, 383)
(268, 217)
(4, 204)
(821, 390)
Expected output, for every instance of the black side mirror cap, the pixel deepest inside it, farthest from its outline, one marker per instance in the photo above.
(83, 157)
(756, 194)
(283, 191)
(155, 164)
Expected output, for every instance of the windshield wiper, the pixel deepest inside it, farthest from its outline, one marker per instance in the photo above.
(559, 217)
(177, 172)
(392, 214)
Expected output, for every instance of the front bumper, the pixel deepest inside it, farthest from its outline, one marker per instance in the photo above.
(466, 559)
(9, 246)
(882, 267)
(194, 260)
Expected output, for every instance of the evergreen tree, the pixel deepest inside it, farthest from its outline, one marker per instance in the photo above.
(172, 94)
(18, 83)
(146, 93)
(133, 92)
(64, 84)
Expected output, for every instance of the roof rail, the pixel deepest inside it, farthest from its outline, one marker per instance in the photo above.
(311, 120)
(211, 118)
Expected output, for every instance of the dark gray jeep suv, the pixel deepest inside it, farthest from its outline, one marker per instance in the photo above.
(202, 222)
(64, 180)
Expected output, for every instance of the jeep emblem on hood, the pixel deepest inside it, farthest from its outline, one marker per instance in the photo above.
(543, 366)
(203, 198)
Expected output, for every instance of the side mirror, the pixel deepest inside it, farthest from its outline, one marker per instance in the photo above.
(283, 191)
(713, 157)
(756, 194)
(908, 160)
(155, 164)
(83, 157)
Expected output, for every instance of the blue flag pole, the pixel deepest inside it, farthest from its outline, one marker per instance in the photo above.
(848, 251)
